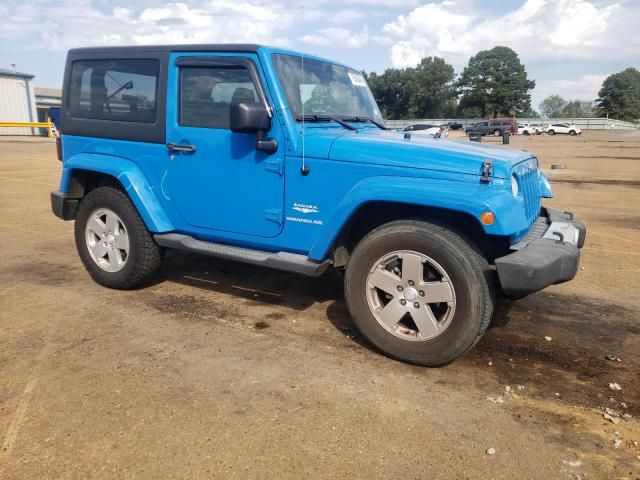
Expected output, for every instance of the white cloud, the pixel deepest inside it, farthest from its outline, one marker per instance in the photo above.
(72, 23)
(339, 37)
(347, 15)
(585, 87)
(538, 29)
(374, 3)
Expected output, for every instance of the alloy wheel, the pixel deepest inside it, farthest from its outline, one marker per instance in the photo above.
(107, 240)
(410, 295)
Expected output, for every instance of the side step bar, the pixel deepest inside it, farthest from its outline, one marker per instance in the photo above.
(290, 262)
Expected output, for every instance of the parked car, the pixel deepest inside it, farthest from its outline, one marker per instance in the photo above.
(530, 129)
(427, 129)
(453, 125)
(496, 126)
(188, 148)
(566, 128)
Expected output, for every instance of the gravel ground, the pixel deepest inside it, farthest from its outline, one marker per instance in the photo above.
(222, 370)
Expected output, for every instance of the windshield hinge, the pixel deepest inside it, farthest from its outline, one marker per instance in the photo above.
(275, 165)
(487, 168)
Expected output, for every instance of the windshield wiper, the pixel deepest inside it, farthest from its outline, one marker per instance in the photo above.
(365, 119)
(324, 118)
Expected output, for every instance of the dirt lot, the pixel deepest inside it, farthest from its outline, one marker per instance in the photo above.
(221, 370)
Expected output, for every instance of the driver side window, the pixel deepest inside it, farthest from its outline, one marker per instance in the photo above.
(206, 94)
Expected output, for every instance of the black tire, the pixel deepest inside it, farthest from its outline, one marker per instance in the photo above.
(551, 132)
(497, 132)
(470, 276)
(144, 256)
(525, 132)
(572, 132)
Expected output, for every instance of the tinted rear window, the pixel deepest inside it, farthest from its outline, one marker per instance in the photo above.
(121, 90)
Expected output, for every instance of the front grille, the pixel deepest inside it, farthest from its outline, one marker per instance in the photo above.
(528, 178)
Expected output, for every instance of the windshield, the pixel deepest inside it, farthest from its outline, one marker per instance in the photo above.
(324, 89)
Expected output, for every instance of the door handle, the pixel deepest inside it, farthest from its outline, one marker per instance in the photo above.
(174, 147)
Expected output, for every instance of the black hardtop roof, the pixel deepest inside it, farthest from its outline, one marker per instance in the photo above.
(220, 47)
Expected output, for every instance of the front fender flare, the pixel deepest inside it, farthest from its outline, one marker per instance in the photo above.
(133, 181)
(466, 197)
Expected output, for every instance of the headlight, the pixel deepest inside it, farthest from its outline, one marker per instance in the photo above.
(514, 185)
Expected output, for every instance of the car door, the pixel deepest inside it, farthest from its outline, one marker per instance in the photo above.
(216, 179)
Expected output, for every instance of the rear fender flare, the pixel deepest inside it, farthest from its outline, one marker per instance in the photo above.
(132, 180)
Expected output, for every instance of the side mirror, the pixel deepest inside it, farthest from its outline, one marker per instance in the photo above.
(249, 118)
(253, 118)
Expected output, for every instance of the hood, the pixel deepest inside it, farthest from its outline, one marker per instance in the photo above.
(379, 147)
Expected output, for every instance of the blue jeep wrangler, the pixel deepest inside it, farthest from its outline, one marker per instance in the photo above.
(272, 158)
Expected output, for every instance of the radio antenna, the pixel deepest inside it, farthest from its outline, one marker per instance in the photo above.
(304, 170)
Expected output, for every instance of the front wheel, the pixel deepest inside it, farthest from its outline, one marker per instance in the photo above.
(497, 133)
(113, 242)
(551, 132)
(572, 132)
(419, 292)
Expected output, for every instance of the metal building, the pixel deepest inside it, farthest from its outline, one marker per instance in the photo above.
(17, 102)
(48, 101)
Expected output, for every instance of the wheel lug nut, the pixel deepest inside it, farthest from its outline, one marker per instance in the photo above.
(400, 288)
(411, 283)
(416, 305)
(421, 293)
(403, 302)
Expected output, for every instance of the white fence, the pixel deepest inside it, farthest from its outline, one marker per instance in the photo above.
(583, 123)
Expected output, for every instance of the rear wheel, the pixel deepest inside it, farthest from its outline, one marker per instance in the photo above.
(419, 292)
(551, 132)
(497, 132)
(113, 242)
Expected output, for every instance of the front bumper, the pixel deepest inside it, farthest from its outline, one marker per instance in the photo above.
(549, 254)
(63, 206)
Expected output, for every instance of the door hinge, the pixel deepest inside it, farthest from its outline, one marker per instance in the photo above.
(275, 165)
(274, 215)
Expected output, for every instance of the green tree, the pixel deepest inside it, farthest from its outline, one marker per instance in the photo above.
(391, 91)
(495, 83)
(529, 113)
(465, 110)
(426, 91)
(619, 96)
(578, 109)
(551, 107)
(431, 88)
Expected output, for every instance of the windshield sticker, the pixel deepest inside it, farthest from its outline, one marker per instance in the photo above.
(357, 79)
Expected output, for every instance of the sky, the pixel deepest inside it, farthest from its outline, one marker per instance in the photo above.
(567, 46)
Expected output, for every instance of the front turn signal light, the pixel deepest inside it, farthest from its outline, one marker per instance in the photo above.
(487, 218)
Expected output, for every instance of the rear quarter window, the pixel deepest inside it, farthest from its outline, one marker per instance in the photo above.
(123, 90)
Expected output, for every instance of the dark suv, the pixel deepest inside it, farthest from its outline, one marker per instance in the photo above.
(496, 127)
